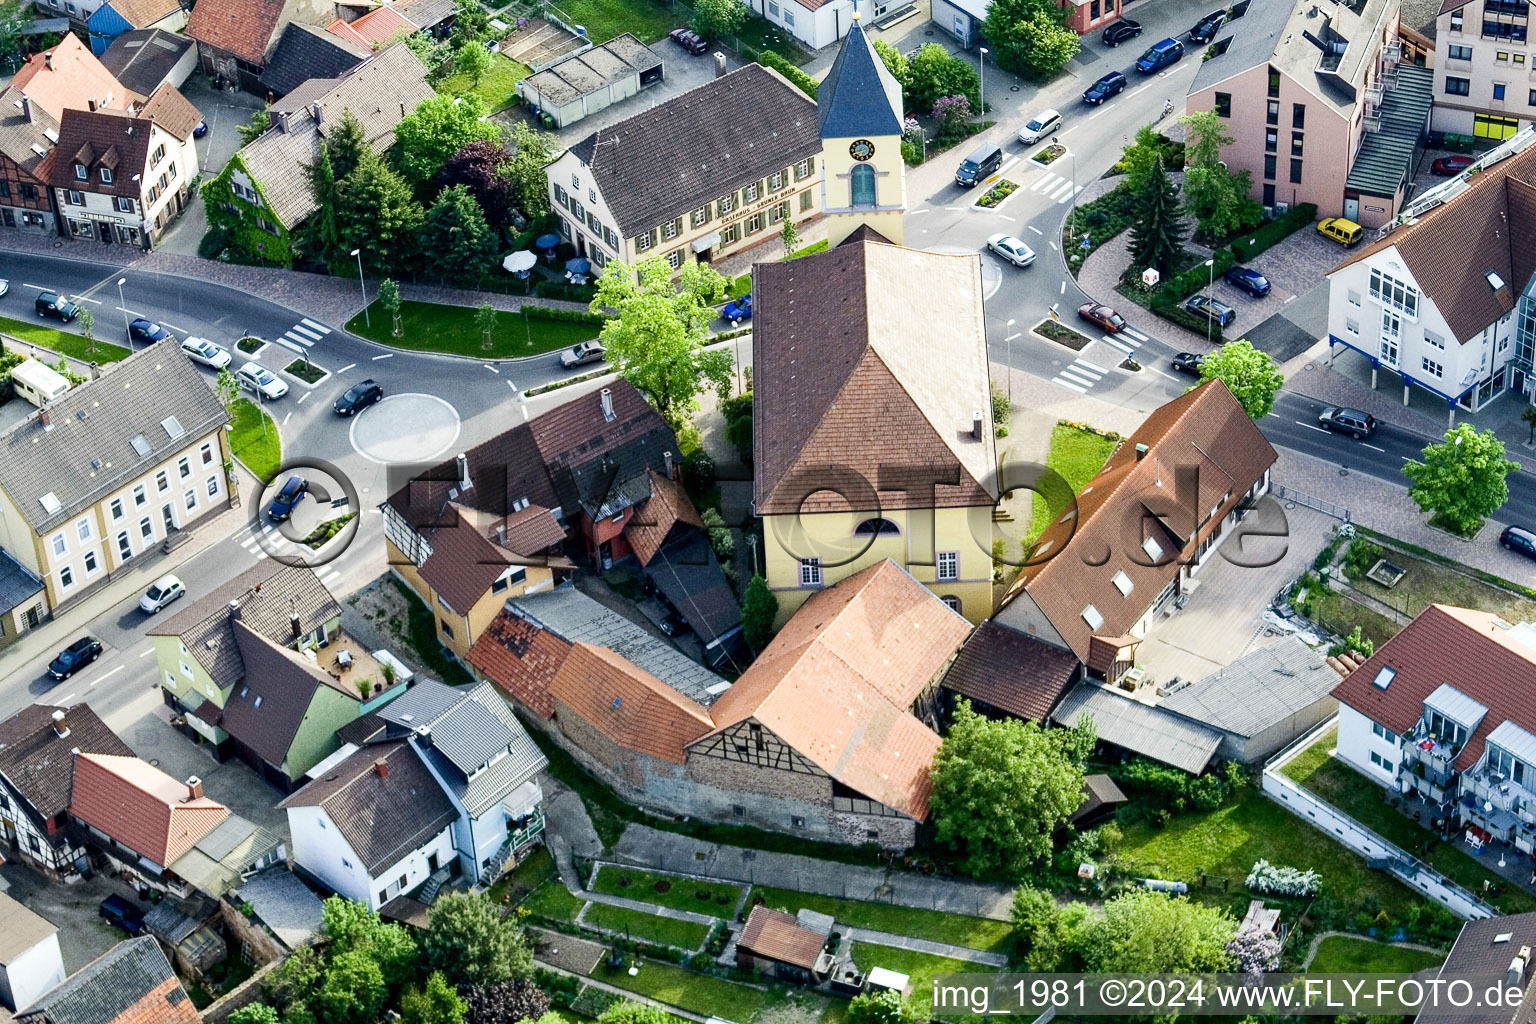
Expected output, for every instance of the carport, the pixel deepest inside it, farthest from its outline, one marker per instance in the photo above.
(584, 83)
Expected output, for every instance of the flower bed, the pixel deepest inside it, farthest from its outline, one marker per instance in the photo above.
(1049, 154)
(997, 193)
(305, 370)
(249, 345)
(1062, 334)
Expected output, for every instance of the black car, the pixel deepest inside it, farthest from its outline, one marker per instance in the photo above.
(1206, 28)
(1347, 421)
(1111, 84)
(146, 332)
(55, 305)
(1249, 280)
(75, 657)
(672, 623)
(117, 911)
(1214, 310)
(359, 397)
(1120, 31)
(1519, 540)
(288, 497)
(1188, 362)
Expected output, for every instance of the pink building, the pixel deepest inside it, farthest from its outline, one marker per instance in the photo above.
(1085, 16)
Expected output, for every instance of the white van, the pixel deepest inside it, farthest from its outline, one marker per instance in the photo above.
(38, 382)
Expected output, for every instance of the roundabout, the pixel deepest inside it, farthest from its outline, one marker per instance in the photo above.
(408, 428)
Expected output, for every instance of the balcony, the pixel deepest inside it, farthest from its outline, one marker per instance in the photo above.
(1503, 807)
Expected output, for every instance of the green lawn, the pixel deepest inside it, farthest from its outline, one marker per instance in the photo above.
(497, 87)
(646, 927)
(431, 327)
(1344, 954)
(761, 34)
(1429, 583)
(604, 19)
(697, 992)
(553, 900)
(64, 343)
(253, 440)
(919, 967)
(523, 879)
(937, 926)
(719, 898)
(1077, 455)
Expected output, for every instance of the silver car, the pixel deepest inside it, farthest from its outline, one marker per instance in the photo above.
(257, 378)
(161, 593)
(201, 350)
(1011, 249)
(1039, 126)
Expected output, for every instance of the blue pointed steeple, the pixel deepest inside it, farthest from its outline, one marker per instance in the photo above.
(859, 96)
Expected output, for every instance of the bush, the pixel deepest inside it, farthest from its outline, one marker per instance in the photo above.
(570, 316)
(1277, 230)
(1362, 554)
(567, 292)
(799, 79)
(545, 225)
(738, 424)
(758, 609)
(699, 472)
(1284, 881)
(1176, 289)
(1101, 219)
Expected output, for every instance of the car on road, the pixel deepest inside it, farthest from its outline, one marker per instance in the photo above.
(1519, 540)
(200, 130)
(75, 657)
(1188, 362)
(55, 305)
(738, 309)
(201, 350)
(1120, 31)
(1248, 279)
(161, 593)
(1011, 249)
(359, 397)
(255, 377)
(1347, 421)
(1206, 28)
(1161, 54)
(688, 39)
(119, 912)
(1345, 232)
(1450, 166)
(146, 332)
(5, 286)
(1111, 84)
(581, 355)
(288, 497)
(1102, 317)
(1214, 310)
(1039, 126)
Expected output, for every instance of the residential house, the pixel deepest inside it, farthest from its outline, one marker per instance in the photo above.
(37, 766)
(23, 603)
(466, 741)
(110, 470)
(776, 944)
(265, 184)
(1085, 16)
(690, 178)
(1483, 84)
(261, 670)
(236, 38)
(122, 177)
(817, 24)
(114, 17)
(1441, 713)
(594, 79)
(1330, 81)
(30, 961)
(69, 77)
(961, 19)
(305, 52)
(145, 59)
(377, 28)
(129, 983)
(1496, 947)
(1447, 301)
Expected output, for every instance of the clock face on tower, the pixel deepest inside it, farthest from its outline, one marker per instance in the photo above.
(861, 149)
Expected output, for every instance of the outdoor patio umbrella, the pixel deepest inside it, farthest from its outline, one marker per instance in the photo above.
(519, 262)
(578, 266)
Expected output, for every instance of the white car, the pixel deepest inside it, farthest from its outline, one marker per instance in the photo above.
(1012, 250)
(257, 378)
(201, 350)
(5, 286)
(1039, 126)
(161, 593)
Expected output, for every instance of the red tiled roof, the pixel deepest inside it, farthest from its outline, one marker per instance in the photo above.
(627, 704)
(68, 77)
(521, 659)
(169, 109)
(242, 27)
(775, 935)
(654, 518)
(141, 807)
(1012, 671)
(375, 28)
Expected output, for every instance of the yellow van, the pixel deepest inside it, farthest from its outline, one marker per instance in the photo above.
(1345, 232)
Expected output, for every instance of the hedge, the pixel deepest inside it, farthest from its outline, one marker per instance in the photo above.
(1102, 219)
(1176, 289)
(567, 292)
(1184, 318)
(574, 316)
(804, 82)
(1275, 231)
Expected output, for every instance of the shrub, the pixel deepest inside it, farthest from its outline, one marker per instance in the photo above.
(799, 79)
(568, 292)
(1362, 554)
(1324, 558)
(1277, 230)
(1176, 289)
(699, 471)
(1284, 881)
(758, 609)
(571, 316)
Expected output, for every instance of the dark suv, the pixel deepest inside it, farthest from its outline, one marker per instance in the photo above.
(1159, 55)
(1347, 421)
(55, 305)
(117, 911)
(1120, 31)
(1111, 84)
(1206, 28)
(1519, 540)
(75, 657)
(288, 496)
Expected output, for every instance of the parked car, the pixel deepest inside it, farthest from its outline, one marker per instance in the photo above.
(1450, 166)
(119, 912)
(1519, 540)
(201, 350)
(672, 623)
(359, 397)
(1347, 421)
(1162, 54)
(75, 657)
(738, 309)
(1120, 31)
(1214, 310)
(288, 497)
(1011, 249)
(689, 40)
(1249, 280)
(983, 161)
(55, 305)
(200, 130)
(257, 378)
(1102, 317)
(581, 355)
(1039, 126)
(146, 332)
(1188, 362)
(1205, 29)
(1111, 84)
(161, 593)
(1345, 232)
(5, 286)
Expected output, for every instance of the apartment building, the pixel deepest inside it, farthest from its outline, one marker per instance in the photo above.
(1485, 69)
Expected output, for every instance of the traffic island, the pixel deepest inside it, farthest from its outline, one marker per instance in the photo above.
(1061, 334)
(454, 330)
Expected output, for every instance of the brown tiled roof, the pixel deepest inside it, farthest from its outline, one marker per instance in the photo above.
(654, 518)
(842, 379)
(265, 710)
(628, 705)
(595, 463)
(837, 682)
(142, 13)
(1451, 249)
(172, 111)
(40, 764)
(464, 562)
(520, 658)
(68, 77)
(775, 935)
(503, 470)
(243, 27)
(1204, 429)
(19, 136)
(532, 530)
(696, 147)
(97, 139)
(131, 983)
(1471, 650)
(141, 807)
(1012, 671)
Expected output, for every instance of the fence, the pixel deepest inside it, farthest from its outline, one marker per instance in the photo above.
(1344, 829)
(1327, 508)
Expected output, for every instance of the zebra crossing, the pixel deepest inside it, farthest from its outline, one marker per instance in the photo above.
(1080, 375)
(1126, 343)
(303, 335)
(263, 541)
(1055, 187)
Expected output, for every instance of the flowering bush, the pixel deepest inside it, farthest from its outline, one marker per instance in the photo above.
(1283, 881)
(910, 128)
(1255, 952)
(951, 114)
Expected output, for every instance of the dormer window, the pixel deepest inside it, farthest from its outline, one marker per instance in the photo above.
(81, 174)
(106, 176)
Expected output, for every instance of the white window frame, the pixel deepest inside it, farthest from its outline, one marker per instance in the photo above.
(947, 566)
(810, 572)
(60, 545)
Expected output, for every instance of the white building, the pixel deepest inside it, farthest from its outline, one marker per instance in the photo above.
(1447, 301)
(1483, 63)
(819, 23)
(30, 961)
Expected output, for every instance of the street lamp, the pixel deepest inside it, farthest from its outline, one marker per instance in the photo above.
(1209, 288)
(368, 320)
(122, 304)
(982, 84)
(1071, 196)
(1008, 341)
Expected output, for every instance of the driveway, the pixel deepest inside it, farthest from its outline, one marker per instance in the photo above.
(83, 935)
(224, 112)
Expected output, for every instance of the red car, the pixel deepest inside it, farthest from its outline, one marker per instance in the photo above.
(1102, 316)
(688, 40)
(1450, 166)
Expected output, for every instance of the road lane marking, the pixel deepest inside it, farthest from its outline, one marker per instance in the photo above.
(954, 207)
(1311, 426)
(286, 418)
(512, 385)
(299, 349)
(305, 332)
(493, 369)
(914, 213)
(344, 369)
(387, 355)
(304, 396)
(66, 700)
(178, 330)
(147, 653)
(107, 675)
(1063, 285)
(1074, 387)
(1015, 334)
(307, 343)
(1095, 113)
(1036, 230)
(1007, 164)
(319, 327)
(1135, 334)
(1373, 448)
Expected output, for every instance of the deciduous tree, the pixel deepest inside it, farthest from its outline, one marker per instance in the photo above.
(507, 1003)
(1216, 197)
(1029, 37)
(470, 21)
(718, 19)
(885, 1007)
(895, 62)
(950, 115)
(933, 72)
(1143, 932)
(462, 245)
(260, 122)
(472, 60)
(256, 1013)
(531, 151)
(353, 991)
(758, 608)
(353, 927)
(472, 944)
(482, 168)
(1046, 935)
(14, 16)
(227, 388)
(634, 1013)
(437, 1002)
(1252, 376)
(485, 319)
(377, 214)
(389, 302)
(1158, 232)
(438, 128)
(1461, 480)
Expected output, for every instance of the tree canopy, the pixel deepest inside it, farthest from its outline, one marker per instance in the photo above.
(627, 1012)
(376, 213)
(933, 72)
(438, 128)
(1216, 197)
(472, 944)
(1157, 234)
(1144, 932)
(353, 927)
(479, 167)
(885, 1007)
(718, 19)
(1252, 376)
(1030, 37)
(895, 62)
(507, 1003)
(437, 1002)
(1462, 479)
(462, 245)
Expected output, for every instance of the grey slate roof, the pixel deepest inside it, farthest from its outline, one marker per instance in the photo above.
(577, 618)
(1254, 37)
(96, 422)
(39, 763)
(141, 59)
(23, 930)
(17, 582)
(305, 52)
(1258, 690)
(425, 13)
(696, 147)
(859, 96)
(101, 990)
(284, 904)
(582, 74)
(1484, 949)
(687, 572)
(266, 709)
(1140, 728)
(18, 135)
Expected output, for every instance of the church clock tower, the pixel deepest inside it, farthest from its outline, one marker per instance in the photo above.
(863, 179)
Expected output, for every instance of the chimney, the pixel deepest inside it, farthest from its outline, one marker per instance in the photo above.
(91, 104)
(48, 60)
(608, 414)
(719, 65)
(381, 768)
(465, 483)
(234, 611)
(45, 418)
(976, 425)
(293, 623)
(671, 470)
(402, 108)
(194, 788)
(60, 726)
(1518, 965)
(315, 109)
(95, 371)
(26, 108)
(424, 735)
(282, 121)
(1141, 452)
